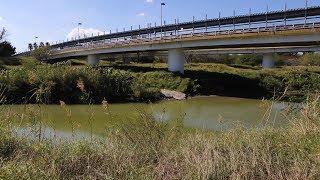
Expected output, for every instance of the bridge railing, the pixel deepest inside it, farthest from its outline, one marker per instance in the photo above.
(175, 36)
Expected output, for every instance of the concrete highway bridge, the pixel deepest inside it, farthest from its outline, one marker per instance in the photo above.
(294, 30)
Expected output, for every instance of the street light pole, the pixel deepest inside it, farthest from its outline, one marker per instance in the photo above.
(162, 4)
(267, 16)
(35, 39)
(285, 14)
(306, 13)
(79, 24)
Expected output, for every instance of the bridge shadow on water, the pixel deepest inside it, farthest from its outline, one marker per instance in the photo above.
(213, 83)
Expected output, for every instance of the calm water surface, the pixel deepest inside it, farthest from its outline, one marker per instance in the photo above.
(214, 113)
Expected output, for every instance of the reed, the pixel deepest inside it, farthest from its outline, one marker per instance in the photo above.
(143, 148)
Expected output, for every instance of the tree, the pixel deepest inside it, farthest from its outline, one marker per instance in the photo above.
(35, 46)
(6, 49)
(30, 46)
(2, 34)
(41, 53)
(41, 45)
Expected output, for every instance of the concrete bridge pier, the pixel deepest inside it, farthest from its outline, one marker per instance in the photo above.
(176, 60)
(93, 60)
(268, 61)
(125, 59)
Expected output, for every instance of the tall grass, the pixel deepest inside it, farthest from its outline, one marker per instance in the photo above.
(242, 81)
(84, 85)
(143, 148)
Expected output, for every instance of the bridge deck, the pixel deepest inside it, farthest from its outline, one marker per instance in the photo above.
(313, 28)
(286, 16)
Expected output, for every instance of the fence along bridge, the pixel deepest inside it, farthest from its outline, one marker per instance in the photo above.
(294, 30)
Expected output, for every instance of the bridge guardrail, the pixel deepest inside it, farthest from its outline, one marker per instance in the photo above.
(131, 42)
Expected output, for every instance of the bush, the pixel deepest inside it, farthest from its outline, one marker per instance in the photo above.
(42, 53)
(52, 83)
(310, 59)
(248, 59)
(2, 65)
(6, 49)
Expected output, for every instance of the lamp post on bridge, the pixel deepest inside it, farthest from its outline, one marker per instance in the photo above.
(285, 14)
(35, 39)
(306, 12)
(79, 24)
(267, 16)
(162, 4)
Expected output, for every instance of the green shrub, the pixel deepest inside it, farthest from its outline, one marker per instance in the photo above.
(310, 59)
(1, 65)
(60, 82)
(6, 49)
(248, 59)
(10, 61)
(41, 53)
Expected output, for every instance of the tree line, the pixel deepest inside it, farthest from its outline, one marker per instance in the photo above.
(34, 46)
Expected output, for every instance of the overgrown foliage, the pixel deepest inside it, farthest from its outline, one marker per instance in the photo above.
(289, 83)
(3, 32)
(52, 83)
(6, 49)
(41, 53)
(310, 59)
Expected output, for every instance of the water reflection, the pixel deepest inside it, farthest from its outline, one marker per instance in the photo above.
(214, 113)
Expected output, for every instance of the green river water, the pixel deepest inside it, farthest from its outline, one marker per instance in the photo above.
(212, 113)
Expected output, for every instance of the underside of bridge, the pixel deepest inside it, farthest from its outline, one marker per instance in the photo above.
(177, 60)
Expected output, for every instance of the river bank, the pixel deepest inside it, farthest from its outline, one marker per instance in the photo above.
(143, 148)
(51, 84)
(75, 83)
(288, 83)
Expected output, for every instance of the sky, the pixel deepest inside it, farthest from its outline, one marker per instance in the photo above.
(57, 20)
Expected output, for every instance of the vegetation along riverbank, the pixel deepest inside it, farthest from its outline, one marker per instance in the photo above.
(60, 82)
(143, 148)
(29, 81)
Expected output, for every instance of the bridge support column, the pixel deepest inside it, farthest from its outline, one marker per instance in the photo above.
(176, 60)
(125, 59)
(93, 60)
(268, 61)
